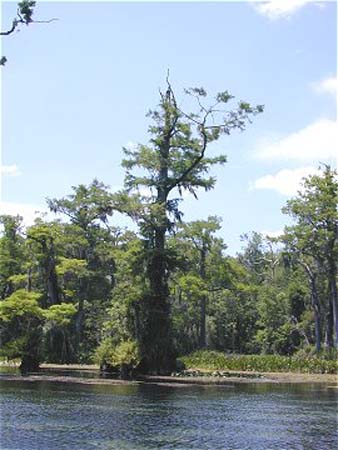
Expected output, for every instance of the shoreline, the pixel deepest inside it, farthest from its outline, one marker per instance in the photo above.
(232, 378)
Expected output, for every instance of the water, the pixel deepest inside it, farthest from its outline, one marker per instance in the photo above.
(45, 416)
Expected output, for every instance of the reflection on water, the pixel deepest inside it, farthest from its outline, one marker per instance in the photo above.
(43, 416)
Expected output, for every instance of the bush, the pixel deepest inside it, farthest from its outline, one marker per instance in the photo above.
(123, 358)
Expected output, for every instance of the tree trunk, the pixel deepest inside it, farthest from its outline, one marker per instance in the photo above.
(52, 287)
(203, 301)
(50, 274)
(333, 296)
(316, 310)
(312, 278)
(29, 363)
(30, 358)
(80, 316)
(157, 343)
(329, 342)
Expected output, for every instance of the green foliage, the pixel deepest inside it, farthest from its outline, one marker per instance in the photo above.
(25, 10)
(233, 319)
(103, 352)
(212, 360)
(309, 351)
(14, 349)
(21, 320)
(21, 304)
(11, 253)
(60, 314)
(86, 205)
(312, 242)
(126, 353)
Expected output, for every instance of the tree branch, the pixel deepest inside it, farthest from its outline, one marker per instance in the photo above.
(15, 23)
(23, 16)
(195, 162)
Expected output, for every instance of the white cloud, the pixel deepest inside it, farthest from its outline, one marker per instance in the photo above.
(276, 9)
(326, 86)
(317, 141)
(287, 182)
(28, 211)
(11, 170)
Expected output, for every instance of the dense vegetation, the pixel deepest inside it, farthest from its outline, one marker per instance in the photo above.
(207, 360)
(79, 288)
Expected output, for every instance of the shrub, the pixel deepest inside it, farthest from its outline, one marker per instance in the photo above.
(213, 360)
(123, 358)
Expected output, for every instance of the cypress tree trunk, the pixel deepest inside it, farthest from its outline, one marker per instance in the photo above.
(159, 356)
(79, 319)
(50, 274)
(52, 287)
(30, 358)
(29, 363)
(312, 278)
(332, 314)
(203, 301)
(333, 296)
(329, 325)
(316, 310)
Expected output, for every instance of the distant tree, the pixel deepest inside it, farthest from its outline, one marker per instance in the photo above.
(315, 237)
(232, 309)
(11, 253)
(303, 251)
(201, 233)
(89, 238)
(21, 324)
(87, 207)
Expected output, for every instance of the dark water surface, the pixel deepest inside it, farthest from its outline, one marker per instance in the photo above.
(46, 416)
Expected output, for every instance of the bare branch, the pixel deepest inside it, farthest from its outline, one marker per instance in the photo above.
(194, 163)
(15, 23)
(45, 21)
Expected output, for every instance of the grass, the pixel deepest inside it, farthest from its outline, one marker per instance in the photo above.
(213, 360)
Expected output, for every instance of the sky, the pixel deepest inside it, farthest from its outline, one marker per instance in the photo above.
(77, 90)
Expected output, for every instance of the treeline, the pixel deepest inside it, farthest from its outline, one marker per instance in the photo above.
(79, 288)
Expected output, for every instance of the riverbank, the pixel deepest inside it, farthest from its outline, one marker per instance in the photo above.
(89, 374)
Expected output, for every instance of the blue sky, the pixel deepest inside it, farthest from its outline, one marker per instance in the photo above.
(75, 91)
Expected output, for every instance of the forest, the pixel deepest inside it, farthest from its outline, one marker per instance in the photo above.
(79, 288)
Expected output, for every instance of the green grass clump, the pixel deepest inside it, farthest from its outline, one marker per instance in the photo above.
(214, 360)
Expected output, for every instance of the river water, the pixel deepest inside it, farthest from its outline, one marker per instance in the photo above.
(45, 416)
